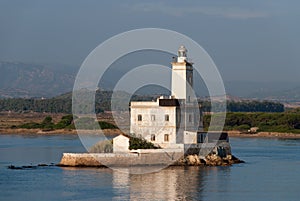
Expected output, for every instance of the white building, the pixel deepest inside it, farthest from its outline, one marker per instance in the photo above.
(170, 121)
(121, 144)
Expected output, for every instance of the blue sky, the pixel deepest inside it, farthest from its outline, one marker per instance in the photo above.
(254, 40)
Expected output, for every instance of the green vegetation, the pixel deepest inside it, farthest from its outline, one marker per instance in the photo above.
(63, 103)
(140, 143)
(52, 105)
(104, 146)
(244, 106)
(287, 122)
(90, 123)
(106, 125)
(67, 122)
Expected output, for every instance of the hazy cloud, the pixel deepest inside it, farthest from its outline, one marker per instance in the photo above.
(227, 12)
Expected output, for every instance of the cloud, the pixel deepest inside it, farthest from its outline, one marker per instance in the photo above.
(227, 12)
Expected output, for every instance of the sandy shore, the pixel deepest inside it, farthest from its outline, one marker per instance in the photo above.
(264, 135)
(19, 131)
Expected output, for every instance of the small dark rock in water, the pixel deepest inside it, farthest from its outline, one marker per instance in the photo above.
(29, 166)
(14, 167)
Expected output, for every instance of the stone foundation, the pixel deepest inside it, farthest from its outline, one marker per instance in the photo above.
(209, 160)
(145, 159)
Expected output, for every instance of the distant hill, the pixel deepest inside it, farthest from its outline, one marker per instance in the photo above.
(279, 91)
(63, 103)
(288, 95)
(27, 80)
(34, 80)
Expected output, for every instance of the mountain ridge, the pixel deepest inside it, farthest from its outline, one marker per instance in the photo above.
(27, 80)
(33, 80)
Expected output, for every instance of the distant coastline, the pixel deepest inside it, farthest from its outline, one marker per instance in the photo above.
(9, 123)
(264, 135)
(114, 132)
(19, 131)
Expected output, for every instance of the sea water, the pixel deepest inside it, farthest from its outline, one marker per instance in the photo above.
(271, 172)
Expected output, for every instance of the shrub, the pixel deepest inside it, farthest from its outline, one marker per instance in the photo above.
(47, 120)
(107, 125)
(30, 125)
(140, 143)
(104, 146)
(243, 127)
(64, 122)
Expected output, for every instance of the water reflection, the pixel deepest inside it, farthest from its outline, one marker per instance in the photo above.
(174, 183)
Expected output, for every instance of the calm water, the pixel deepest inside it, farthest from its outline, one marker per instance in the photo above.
(272, 172)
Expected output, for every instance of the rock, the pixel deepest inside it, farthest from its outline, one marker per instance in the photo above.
(215, 160)
(14, 167)
(181, 161)
(228, 157)
(236, 160)
(209, 160)
(193, 160)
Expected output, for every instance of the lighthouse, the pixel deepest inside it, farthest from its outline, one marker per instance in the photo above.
(168, 120)
(182, 76)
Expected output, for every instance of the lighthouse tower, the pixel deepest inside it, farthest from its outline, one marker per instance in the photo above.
(182, 76)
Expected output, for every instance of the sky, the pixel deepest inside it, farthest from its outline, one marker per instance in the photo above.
(255, 40)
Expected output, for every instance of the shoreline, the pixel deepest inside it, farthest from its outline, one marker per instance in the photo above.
(22, 131)
(273, 135)
(112, 132)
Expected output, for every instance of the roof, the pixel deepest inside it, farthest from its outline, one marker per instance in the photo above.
(169, 102)
(123, 134)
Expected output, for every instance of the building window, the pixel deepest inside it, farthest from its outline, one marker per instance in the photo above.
(201, 137)
(166, 138)
(152, 117)
(140, 117)
(152, 137)
(167, 117)
(190, 80)
(190, 118)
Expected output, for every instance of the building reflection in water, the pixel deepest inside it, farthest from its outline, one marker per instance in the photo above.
(173, 183)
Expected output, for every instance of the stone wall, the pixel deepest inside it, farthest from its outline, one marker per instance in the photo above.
(123, 160)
